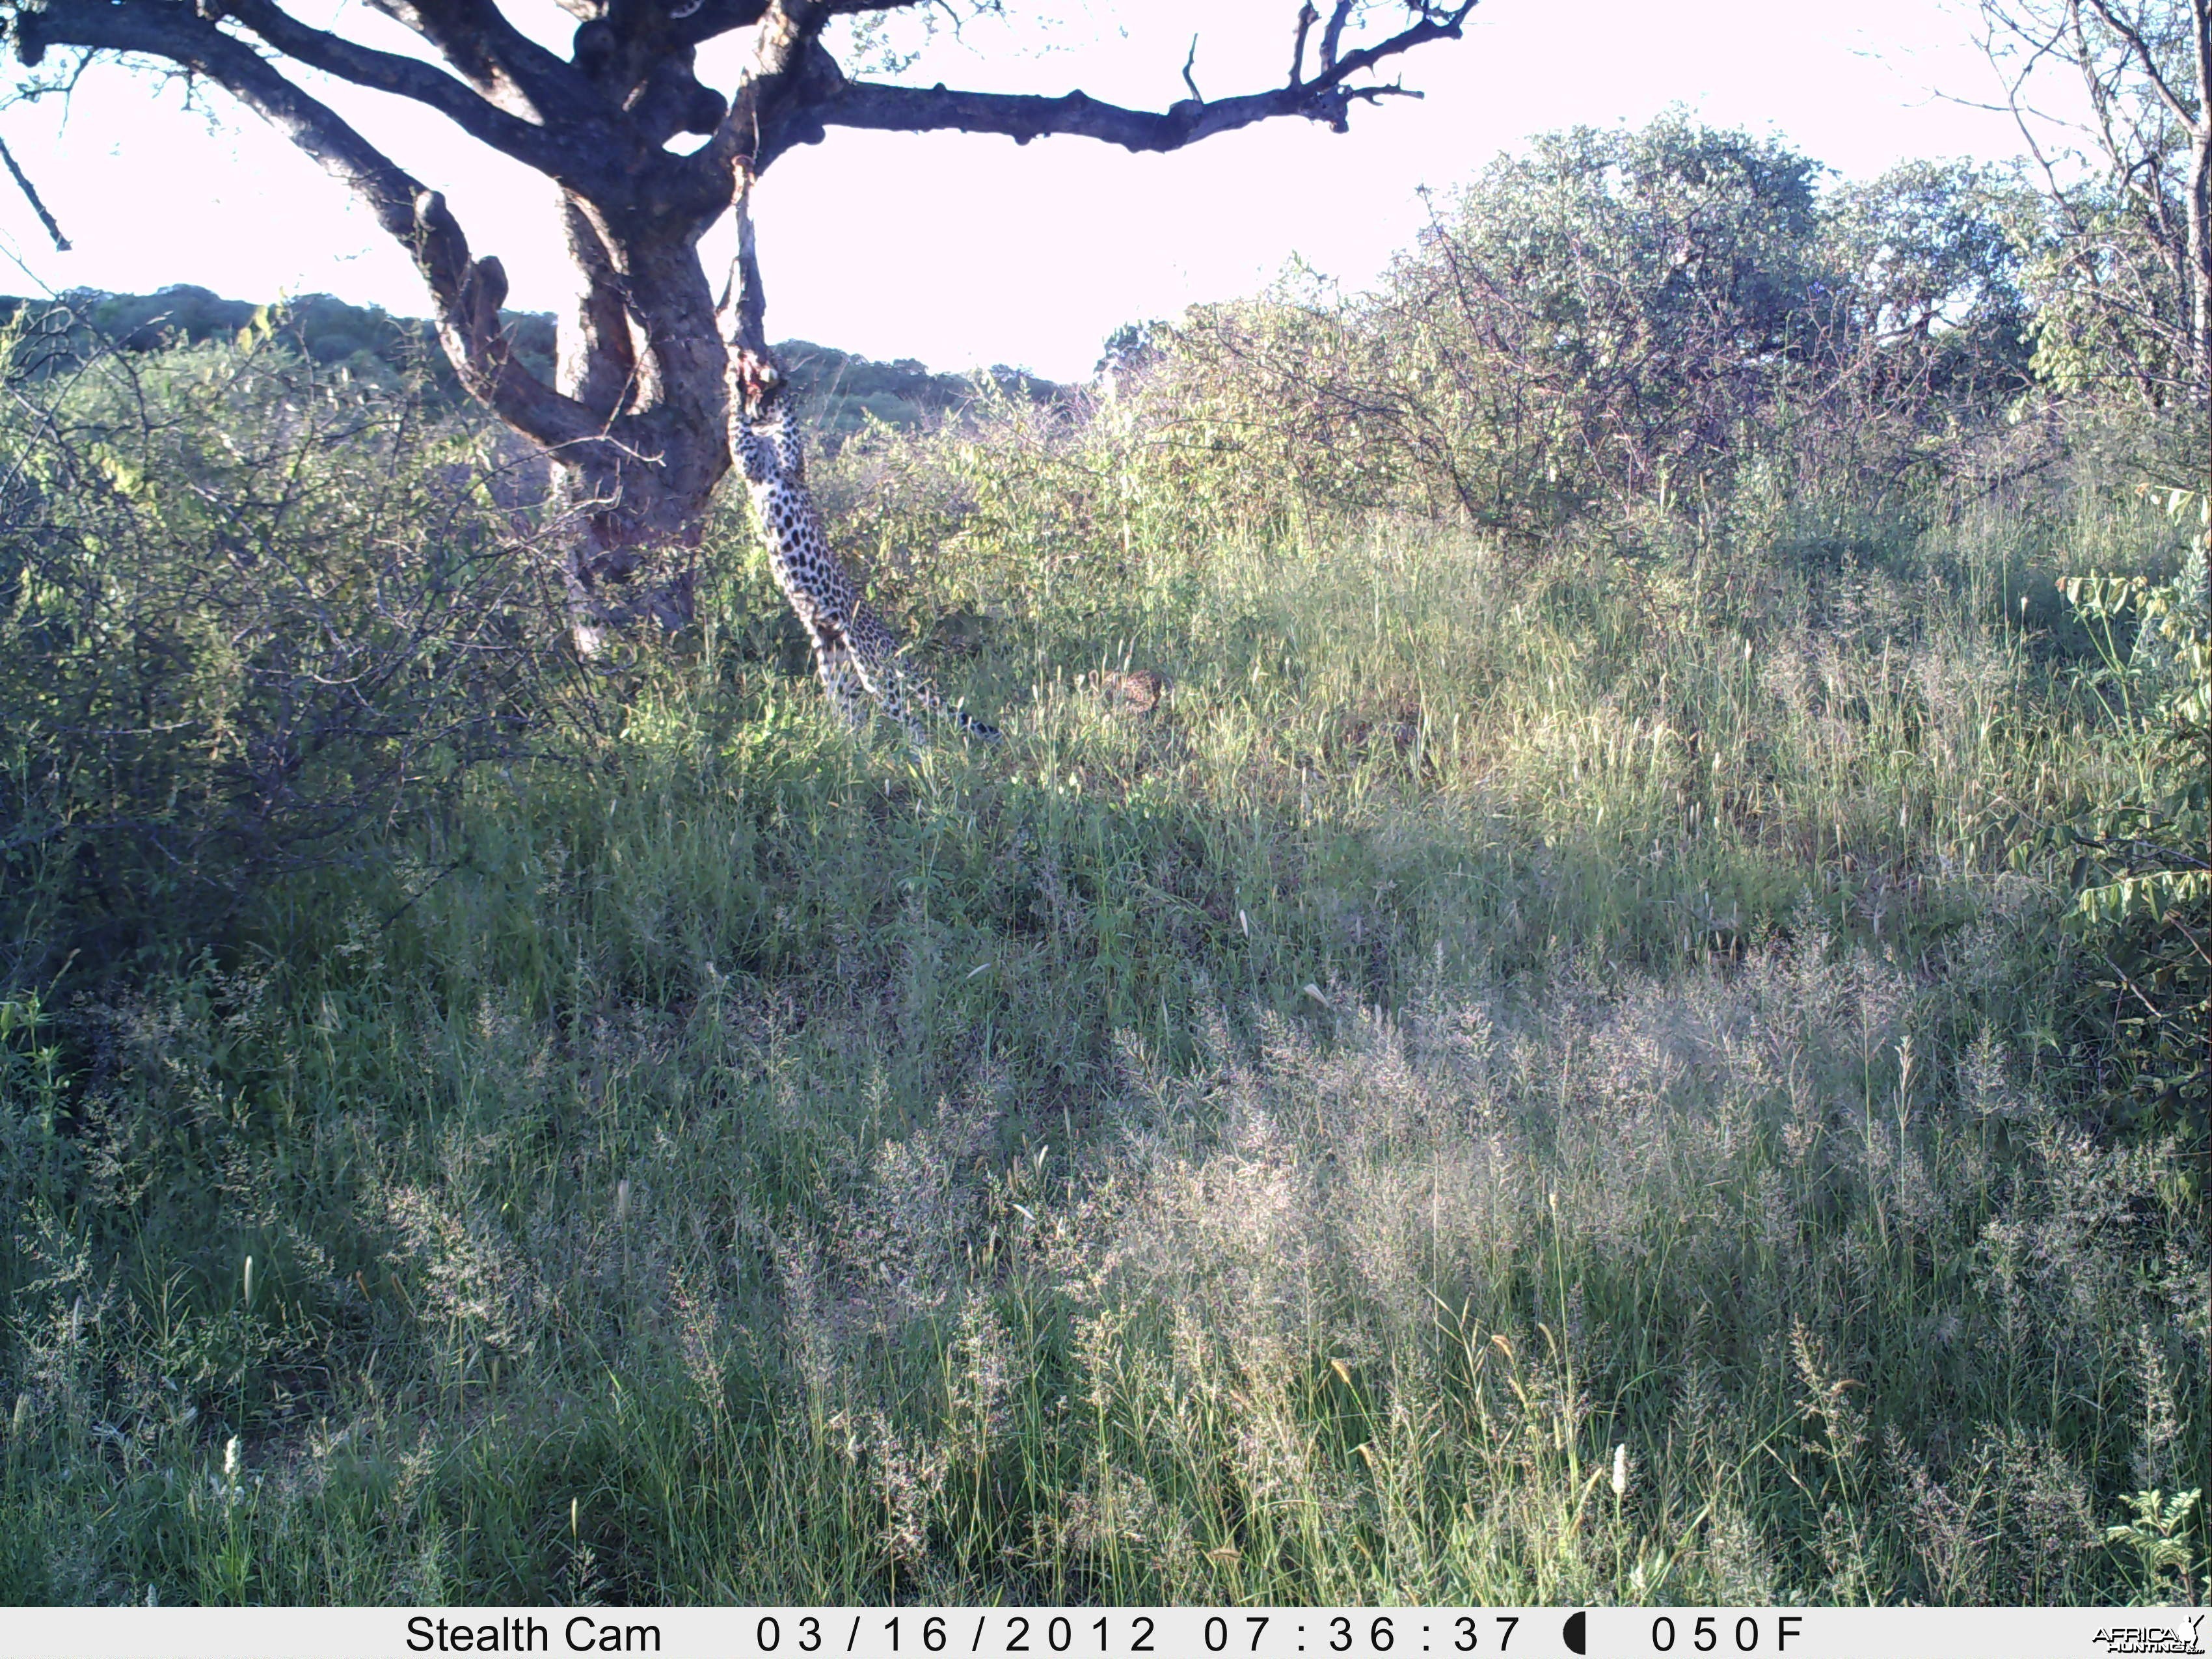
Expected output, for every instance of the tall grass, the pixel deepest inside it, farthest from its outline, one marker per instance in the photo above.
(1522, 1078)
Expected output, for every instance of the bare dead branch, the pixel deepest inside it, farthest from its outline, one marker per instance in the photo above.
(2146, 62)
(31, 194)
(182, 36)
(1326, 98)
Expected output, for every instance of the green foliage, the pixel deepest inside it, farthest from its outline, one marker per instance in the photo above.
(35, 1152)
(1275, 1144)
(247, 608)
(2143, 871)
(1414, 1021)
(1618, 323)
(2159, 1537)
(2102, 322)
(1926, 265)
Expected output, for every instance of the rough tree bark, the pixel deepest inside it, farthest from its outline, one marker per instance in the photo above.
(636, 424)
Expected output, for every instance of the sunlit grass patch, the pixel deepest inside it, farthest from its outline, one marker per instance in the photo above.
(1511, 1078)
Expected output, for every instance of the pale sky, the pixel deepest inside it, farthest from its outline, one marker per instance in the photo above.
(964, 251)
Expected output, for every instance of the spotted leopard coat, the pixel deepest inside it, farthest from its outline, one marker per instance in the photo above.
(857, 655)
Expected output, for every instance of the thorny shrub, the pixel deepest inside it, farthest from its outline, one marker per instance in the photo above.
(248, 609)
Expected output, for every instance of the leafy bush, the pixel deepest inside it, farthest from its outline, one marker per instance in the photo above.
(2143, 872)
(1620, 320)
(246, 610)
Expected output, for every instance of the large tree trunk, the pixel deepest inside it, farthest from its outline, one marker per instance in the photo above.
(640, 348)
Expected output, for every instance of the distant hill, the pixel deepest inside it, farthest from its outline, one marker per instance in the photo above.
(840, 389)
(331, 331)
(843, 390)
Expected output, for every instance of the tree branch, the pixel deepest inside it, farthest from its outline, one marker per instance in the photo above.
(692, 21)
(1326, 98)
(1021, 117)
(466, 293)
(179, 36)
(1307, 18)
(31, 194)
(833, 100)
(533, 145)
(184, 36)
(2147, 63)
(794, 91)
(1332, 34)
(501, 61)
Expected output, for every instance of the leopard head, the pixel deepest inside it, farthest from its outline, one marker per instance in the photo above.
(761, 386)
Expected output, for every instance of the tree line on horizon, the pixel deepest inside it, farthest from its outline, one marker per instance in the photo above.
(842, 390)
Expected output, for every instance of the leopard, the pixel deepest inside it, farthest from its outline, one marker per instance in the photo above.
(859, 658)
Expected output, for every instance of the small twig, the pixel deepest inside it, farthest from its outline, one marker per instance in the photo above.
(31, 194)
(424, 892)
(1187, 63)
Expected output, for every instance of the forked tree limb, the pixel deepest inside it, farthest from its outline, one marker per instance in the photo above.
(467, 293)
(162, 29)
(1327, 97)
(31, 194)
(496, 58)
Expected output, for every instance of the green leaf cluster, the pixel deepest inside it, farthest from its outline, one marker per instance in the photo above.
(2142, 870)
(1617, 322)
(249, 605)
